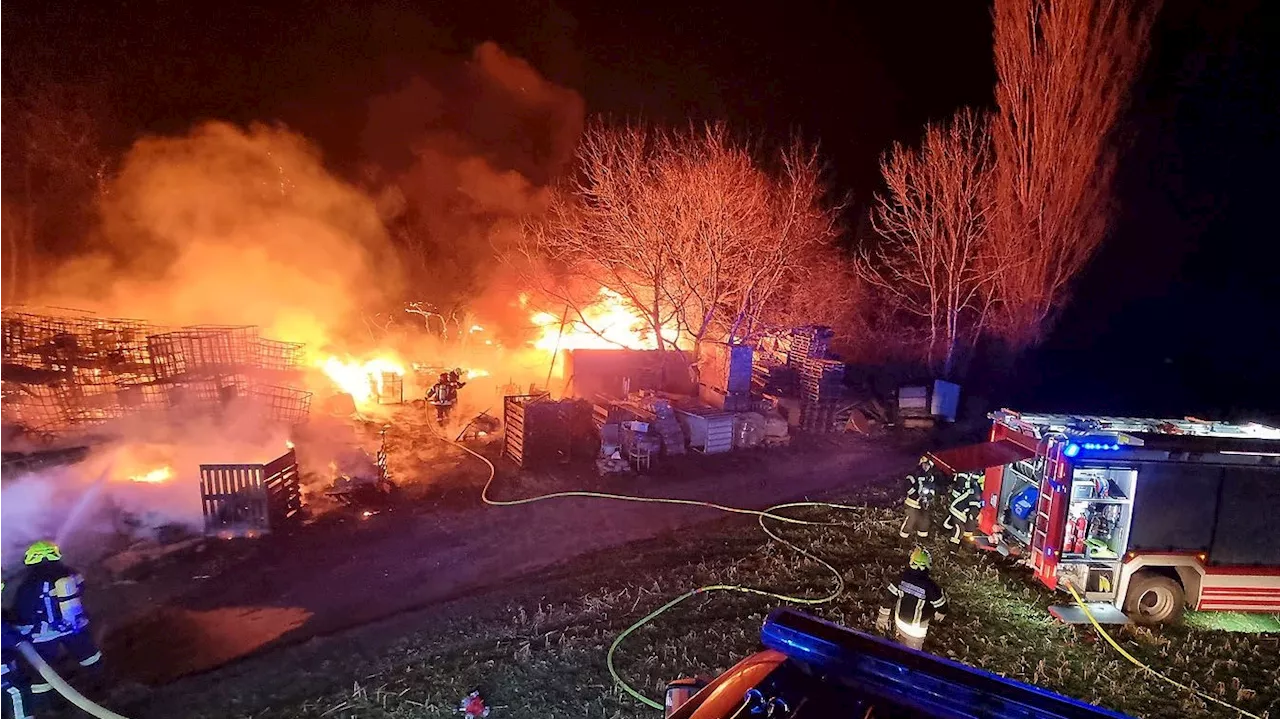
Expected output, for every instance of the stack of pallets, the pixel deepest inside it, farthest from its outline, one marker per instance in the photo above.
(804, 343)
(821, 379)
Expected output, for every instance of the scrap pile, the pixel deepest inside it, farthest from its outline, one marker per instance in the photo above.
(66, 372)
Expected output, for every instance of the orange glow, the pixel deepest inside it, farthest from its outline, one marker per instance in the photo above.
(474, 373)
(155, 476)
(361, 379)
(610, 324)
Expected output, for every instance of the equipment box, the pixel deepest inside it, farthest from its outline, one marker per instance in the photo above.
(250, 499)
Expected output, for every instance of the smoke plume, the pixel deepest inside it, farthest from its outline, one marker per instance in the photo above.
(232, 226)
(458, 158)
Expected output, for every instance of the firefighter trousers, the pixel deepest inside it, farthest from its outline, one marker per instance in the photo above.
(959, 524)
(911, 635)
(79, 646)
(17, 692)
(915, 523)
(442, 412)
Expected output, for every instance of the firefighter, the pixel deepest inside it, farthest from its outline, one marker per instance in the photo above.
(14, 687)
(913, 601)
(966, 502)
(920, 490)
(455, 379)
(14, 681)
(443, 395)
(47, 607)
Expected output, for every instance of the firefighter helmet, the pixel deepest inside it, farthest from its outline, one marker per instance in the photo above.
(444, 376)
(42, 551)
(920, 559)
(926, 461)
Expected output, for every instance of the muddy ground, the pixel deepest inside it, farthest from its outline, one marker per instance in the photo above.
(437, 543)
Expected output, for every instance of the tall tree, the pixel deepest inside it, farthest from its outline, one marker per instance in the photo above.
(1064, 72)
(935, 259)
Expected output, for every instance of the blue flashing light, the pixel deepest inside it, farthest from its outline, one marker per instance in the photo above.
(1072, 449)
(1097, 446)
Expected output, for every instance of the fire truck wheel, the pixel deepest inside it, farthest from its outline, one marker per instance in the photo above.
(1154, 599)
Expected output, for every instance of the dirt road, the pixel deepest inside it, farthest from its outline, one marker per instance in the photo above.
(330, 576)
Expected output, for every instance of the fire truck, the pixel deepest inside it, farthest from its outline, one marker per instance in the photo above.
(1142, 517)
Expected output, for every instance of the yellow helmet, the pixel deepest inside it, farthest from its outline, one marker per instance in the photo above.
(920, 559)
(42, 551)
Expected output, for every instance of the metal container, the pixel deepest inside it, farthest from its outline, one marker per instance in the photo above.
(679, 692)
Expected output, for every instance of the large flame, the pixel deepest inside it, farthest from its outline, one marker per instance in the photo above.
(362, 379)
(155, 476)
(610, 323)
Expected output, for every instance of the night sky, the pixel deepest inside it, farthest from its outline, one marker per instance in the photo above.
(1177, 314)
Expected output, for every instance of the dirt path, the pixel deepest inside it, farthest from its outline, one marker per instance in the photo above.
(322, 579)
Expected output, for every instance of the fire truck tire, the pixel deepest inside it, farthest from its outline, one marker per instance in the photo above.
(1154, 599)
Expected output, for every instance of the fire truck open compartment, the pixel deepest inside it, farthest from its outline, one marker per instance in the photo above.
(1147, 515)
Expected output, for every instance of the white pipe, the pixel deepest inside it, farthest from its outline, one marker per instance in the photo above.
(66, 690)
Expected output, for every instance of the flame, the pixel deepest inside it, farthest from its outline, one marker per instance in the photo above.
(609, 324)
(477, 328)
(473, 373)
(288, 444)
(361, 380)
(155, 476)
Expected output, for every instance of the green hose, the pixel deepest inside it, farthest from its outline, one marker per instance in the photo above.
(62, 687)
(760, 515)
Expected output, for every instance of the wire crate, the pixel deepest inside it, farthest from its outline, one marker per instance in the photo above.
(283, 404)
(242, 500)
(203, 349)
(391, 388)
(34, 406)
(277, 356)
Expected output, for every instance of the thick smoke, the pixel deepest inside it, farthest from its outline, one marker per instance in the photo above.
(89, 505)
(232, 226)
(458, 158)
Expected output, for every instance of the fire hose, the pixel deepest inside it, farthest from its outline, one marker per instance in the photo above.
(62, 687)
(1138, 662)
(770, 512)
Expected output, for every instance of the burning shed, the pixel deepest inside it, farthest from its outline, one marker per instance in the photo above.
(617, 373)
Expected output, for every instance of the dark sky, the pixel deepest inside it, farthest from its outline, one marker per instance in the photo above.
(1176, 315)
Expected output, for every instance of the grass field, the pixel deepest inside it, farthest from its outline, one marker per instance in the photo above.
(544, 656)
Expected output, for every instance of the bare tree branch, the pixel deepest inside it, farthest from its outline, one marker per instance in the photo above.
(936, 260)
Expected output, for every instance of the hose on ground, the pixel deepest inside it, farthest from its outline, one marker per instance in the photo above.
(1138, 663)
(761, 515)
(61, 686)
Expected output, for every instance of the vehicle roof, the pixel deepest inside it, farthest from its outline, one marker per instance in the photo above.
(1154, 427)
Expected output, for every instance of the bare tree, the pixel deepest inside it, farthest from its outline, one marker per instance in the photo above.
(935, 259)
(607, 228)
(1064, 69)
(686, 226)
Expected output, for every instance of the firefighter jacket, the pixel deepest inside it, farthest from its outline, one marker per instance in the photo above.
(443, 392)
(966, 497)
(916, 598)
(47, 602)
(920, 489)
